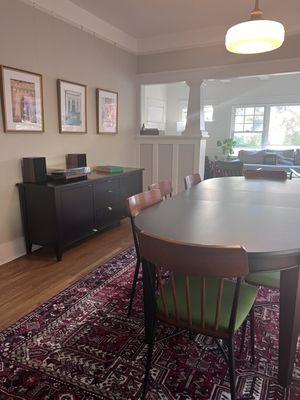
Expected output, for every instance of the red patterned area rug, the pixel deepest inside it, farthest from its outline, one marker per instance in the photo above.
(81, 346)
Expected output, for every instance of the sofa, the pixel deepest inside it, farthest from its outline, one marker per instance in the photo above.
(270, 159)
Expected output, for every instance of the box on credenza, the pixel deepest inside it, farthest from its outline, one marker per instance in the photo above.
(76, 161)
(34, 170)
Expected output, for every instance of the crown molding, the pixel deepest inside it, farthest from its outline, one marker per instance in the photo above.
(74, 15)
(211, 36)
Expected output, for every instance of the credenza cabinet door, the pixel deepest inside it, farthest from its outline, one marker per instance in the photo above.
(131, 184)
(107, 203)
(77, 214)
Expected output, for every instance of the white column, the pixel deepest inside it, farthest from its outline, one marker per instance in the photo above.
(195, 124)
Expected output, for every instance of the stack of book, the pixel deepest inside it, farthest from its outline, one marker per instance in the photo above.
(109, 169)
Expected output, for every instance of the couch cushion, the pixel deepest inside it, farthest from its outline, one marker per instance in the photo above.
(252, 156)
(284, 157)
(297, 157)
(270, 159)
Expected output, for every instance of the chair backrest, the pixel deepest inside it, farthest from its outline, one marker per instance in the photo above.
(191, 180)
(195, 260)
(165, 188)
(228, 168)
(141, 201)
(265, 174)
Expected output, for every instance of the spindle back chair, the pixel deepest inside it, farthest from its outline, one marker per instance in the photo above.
(164, 186)
(191, 180)
(197, 294)
(136, 204)
(265, 174)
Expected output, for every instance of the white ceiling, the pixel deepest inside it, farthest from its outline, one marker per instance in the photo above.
(146, 18)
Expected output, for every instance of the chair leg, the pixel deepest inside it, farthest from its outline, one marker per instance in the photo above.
(135, 278)
(231, 360)
(244, 329)
(148, 362)
(252, 334)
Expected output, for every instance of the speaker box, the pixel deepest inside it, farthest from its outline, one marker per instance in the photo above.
(34, 170)
(76, 160)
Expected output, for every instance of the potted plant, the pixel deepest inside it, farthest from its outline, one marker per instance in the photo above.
(227, 146)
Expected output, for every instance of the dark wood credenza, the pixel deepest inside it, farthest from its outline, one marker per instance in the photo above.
(58, 214)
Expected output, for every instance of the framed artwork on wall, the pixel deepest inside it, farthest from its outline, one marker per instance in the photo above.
(107, 111)
(22, 100)
(72, 107)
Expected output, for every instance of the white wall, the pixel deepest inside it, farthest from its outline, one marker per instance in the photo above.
(223, 95)
(34, 41)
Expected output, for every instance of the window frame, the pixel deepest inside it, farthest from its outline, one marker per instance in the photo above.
(266, 123)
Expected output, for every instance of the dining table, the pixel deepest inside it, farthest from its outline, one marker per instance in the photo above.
(261, 215)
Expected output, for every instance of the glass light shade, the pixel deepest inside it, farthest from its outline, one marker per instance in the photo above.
(255, 36)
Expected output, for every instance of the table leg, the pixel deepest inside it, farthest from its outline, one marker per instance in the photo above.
(289, 323)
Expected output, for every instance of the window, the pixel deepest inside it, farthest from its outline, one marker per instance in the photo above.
(248, 126)
(284, 126)
(208, 113)
(268, 125)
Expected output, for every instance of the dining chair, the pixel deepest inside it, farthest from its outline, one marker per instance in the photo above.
(191, 180)
(265, 174)
(164, 186)
(228, 168)
(197, 295)
(136, 204)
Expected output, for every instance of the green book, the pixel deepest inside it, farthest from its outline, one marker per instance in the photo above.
(109, 169)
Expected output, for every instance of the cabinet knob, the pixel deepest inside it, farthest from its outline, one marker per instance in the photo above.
(110, 208)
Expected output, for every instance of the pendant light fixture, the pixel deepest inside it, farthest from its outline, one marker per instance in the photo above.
(255, 36)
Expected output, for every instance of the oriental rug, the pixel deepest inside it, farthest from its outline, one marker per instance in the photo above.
(80, 345)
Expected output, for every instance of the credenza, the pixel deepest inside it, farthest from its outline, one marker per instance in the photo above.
(60, 214)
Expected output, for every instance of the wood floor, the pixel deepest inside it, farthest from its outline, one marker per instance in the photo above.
(29, 281)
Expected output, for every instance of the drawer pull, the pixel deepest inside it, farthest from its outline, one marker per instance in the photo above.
(110, 208)
(110, 191)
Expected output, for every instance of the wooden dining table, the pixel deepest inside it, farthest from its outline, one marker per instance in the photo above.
(261, 215)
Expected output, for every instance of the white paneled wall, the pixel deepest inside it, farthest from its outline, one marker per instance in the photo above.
(170, 158)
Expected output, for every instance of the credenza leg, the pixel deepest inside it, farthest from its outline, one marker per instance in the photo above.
(28, 247)
(59, 253)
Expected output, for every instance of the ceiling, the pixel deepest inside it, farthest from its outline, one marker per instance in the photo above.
(147, 18)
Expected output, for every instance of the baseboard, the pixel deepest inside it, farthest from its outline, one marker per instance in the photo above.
(11, 250)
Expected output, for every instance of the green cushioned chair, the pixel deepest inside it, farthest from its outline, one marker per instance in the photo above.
(270, 280)
(199, 289)
(247, 299)
(267, 279)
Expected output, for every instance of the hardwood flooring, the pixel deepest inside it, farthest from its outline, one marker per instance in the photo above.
(31, 280)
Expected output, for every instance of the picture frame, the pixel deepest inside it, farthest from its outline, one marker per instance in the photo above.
(107, 111)
(72, 107)
(22, 100)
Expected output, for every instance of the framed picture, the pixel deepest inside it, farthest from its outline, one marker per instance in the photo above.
(107, 111)
(22, 100)
(72, 106)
